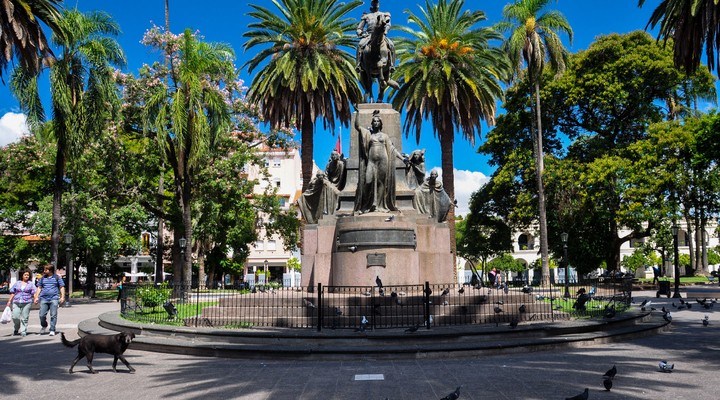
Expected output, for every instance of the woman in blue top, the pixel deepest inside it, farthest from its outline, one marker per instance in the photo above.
(21, 298)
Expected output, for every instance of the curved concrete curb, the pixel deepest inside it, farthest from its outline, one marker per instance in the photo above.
(438, 342)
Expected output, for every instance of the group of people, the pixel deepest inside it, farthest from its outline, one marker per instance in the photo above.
(48, 291)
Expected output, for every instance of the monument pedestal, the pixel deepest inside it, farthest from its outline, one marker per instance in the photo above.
(401, 247)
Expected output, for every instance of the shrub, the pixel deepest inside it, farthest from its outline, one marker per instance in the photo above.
(153, 296)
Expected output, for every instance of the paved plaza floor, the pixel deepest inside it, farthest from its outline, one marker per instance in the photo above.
(36, 367)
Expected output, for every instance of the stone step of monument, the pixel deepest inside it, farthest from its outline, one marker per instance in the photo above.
(439, 341)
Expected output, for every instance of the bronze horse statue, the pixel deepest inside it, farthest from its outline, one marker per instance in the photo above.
(376, 62)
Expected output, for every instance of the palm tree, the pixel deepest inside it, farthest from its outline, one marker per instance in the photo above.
(309, 74)
(188, 114)
(81, 86)
(451, 75)
(21, 33)
(533, 40)
(692, 25)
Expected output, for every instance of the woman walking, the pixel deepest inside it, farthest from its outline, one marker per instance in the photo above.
(21, 299)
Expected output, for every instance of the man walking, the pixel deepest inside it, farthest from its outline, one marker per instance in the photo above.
(50, 294)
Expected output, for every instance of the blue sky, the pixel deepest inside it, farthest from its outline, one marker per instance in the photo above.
(226, 20)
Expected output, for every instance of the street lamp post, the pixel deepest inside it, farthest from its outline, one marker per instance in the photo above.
(564, 238)
(676, 260)
(68, 254)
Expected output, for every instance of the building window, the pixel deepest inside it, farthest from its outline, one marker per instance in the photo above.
(276, 163)
(259, 245)
(271, 245)
(277, 182)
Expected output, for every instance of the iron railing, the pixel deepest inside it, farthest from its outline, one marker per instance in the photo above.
(370, 307)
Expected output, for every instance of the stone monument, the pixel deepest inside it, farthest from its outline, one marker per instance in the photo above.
(398, 243)
(375, 214)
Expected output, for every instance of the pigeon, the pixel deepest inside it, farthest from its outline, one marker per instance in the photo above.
(352, 248)
(364, 321)
(427, 292)
(522, 309)
(367, 293)
(338, 311)
(381, 291)
(539, 297)
(526, 289)
(461, 290)
(645, 304)
(412, 329)
(581, 396)
(608, 384)
(378, 281)
(454, 395)
(514, 323)
(445, 303)
(309, 304)
(667, 316)
(390, 218)
(393, 294)
(706, 321)
(610, 374)
(445, 292)
(497, 310)
(500, 302)
(681, 300)
(665, 367)
(609, 312)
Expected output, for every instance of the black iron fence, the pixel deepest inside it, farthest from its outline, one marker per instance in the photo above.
(372, 307)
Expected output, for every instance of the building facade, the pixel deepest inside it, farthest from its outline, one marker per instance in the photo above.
(268, 253)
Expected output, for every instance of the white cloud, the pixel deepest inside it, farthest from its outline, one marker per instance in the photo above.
(12, 127)
(466, 183)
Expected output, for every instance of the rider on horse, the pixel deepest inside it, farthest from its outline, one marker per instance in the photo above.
(365, 28)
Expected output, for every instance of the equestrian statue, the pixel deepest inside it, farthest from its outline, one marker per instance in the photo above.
(375, 58)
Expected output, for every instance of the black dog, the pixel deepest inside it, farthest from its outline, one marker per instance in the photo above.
(108, 344)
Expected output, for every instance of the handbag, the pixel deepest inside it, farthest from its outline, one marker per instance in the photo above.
(6, 315)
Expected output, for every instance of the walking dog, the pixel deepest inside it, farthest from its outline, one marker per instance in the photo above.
(108, 344)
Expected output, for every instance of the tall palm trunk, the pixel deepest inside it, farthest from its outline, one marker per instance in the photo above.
(448, 175)
(160, 244)
(57, 202)
(539, 170)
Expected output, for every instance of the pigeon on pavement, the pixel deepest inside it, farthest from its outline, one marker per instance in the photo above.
(610, 374)
(665, 367)
(522, 309)
(581, 396)
(445, 292)
(454, 395)
(706, 321)
(412, 329)
(514, 323)
(608, 384)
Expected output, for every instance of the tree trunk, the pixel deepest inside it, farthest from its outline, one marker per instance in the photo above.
(306, 158)
(539, 171)
(448, 176)
(201, 264)
(57, 202)
(160, 241)
(187, 225)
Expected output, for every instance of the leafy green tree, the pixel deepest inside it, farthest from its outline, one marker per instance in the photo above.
(187, 115)
(310, 73)
(483, 234)
(21, 33)
(449, 75)
(534, 40)
(81, 87)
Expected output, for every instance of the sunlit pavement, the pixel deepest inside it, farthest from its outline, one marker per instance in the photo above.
(36, 367)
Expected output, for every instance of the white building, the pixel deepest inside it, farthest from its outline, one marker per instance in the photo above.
(526, 245)
(268, 253)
